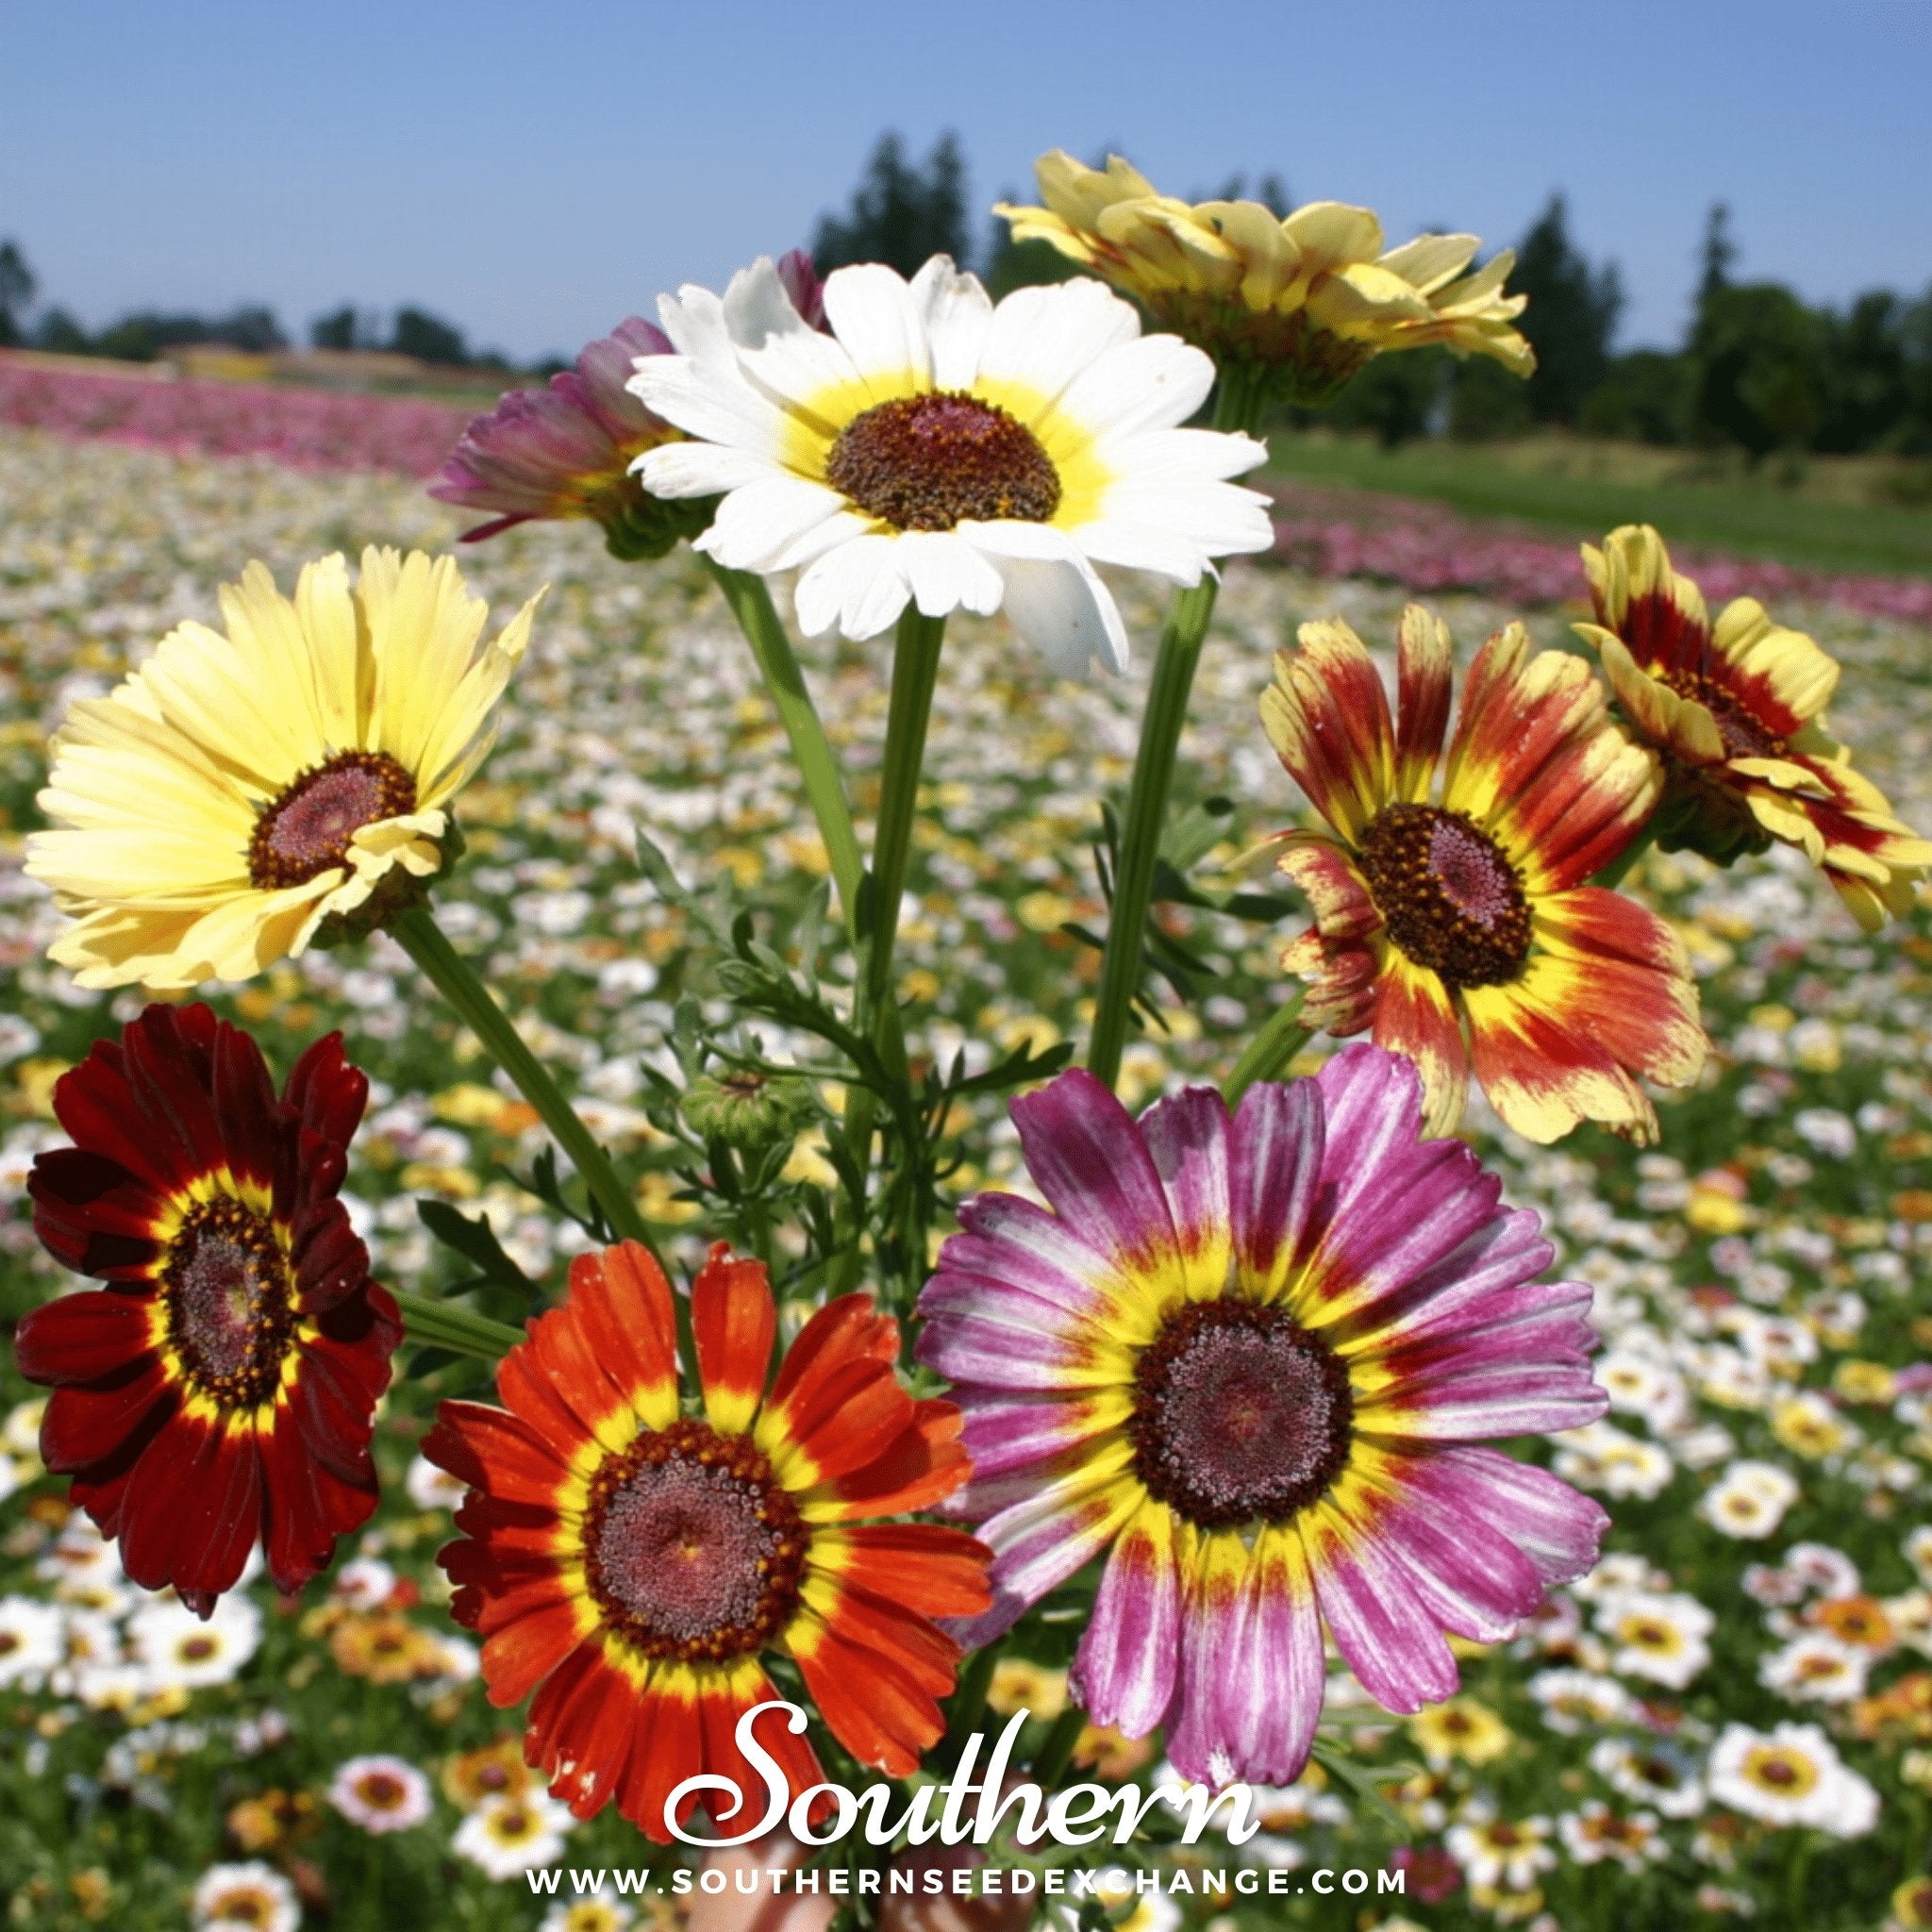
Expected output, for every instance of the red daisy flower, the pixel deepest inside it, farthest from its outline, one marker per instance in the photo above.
(220, 1389)
(629, 1562)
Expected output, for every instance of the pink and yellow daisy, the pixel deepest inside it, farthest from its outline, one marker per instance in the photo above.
(1248, 1361)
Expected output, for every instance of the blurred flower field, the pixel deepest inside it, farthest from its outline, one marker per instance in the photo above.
(1732, 1718)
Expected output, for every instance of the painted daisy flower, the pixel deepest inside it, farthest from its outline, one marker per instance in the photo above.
(566, 450)
(1248, 1359)
(1311, 297)
(381, 1792)
(235, 796)
(1737, 707)
(506, 1836)
(1594, 1832)
(1791, 1775)
(932, 448)
(629, 1562)
(218, 1391)
(31, 1642)
(252, 1897)
(183, 1651)
(1460, 931)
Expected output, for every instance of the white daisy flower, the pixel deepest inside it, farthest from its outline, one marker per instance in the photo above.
(1653, 1773)
(178, 1649)
(256, 1896)
(1499, 1852)
(588, 1915)
(430, 1488)
(507, 1836)
(381, 1793)
(1576, 1701)
(1791, 1775)
(31, 1643)
(932, 447)
(364, 1583)
(1815, 1668)
(1660, 1637)
(1749, 1499)
(1594, 1832)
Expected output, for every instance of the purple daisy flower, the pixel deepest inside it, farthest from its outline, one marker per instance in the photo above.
(1248, 1359)
(566, 451)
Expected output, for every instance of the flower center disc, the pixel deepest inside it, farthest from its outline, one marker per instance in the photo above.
(308, 829)
(927, 463)
(1449, 897)
(1238, 1414)
(229, 1310)
(1743, 736)
(695, 1551)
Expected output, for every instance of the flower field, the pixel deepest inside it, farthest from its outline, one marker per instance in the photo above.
(1731, 1718)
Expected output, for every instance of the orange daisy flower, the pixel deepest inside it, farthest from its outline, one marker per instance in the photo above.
(1460, 931)
(1737, 711)
(628, 1562)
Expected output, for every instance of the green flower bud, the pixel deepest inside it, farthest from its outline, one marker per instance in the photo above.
(746, 1110)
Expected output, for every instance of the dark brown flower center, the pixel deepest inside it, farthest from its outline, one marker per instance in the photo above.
(230, 1304)
(380, 1792)
(927, 463)
(1450, 898)
(1743, 735)
(693, 1548)
(308, 829)
(1240, 1413)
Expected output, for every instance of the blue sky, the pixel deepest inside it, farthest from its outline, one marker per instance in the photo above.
(537, 172)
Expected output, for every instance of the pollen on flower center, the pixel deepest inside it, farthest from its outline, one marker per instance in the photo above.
(927, 463)
(694, 1549)
(1743, 736)
(230, 1315)
(1450, 898)
(1238, 1414)
(308, 829)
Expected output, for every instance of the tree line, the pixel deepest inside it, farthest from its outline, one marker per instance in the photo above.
(145, 335)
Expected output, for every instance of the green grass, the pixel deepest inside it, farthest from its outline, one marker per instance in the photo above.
(1814, 521)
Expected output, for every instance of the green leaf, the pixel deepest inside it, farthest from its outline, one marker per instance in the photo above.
(475, 1240)
(1339, 1764)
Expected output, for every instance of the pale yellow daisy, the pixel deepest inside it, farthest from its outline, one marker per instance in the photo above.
(237, 793)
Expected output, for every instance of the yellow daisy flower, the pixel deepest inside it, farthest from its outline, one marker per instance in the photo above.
(237, 794)
(1311, 295)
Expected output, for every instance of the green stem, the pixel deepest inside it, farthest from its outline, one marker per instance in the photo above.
(915, 673)
(1168, 692)
(1625, 863)
(1280, 1039)
(418, 934)
(969, 1700)
(444, 1325)
(818, 765)
(1056, 1752)
(1133, 886)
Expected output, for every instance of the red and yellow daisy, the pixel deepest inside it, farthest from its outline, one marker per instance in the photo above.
(219, 1390)
(1737, 709)
(628, 1562)
(1462, 931)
